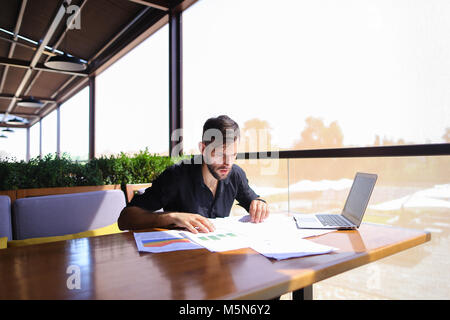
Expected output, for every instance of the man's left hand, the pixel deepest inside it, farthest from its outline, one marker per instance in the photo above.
(259, 211)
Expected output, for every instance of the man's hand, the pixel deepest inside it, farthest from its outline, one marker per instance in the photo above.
(191, 221)
(259, 211)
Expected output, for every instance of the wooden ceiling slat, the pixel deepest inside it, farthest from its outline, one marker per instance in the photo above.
(13, 79)
(118, 23)
(8, 14)
(47, 83)
(37, 18)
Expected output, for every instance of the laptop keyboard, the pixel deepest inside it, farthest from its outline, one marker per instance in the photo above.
(333, 220)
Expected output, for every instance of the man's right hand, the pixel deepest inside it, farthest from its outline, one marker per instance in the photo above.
(191, 221)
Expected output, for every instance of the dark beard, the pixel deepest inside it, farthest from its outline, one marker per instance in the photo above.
(211, 170)
(214, 174)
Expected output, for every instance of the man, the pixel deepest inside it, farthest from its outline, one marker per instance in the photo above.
(203, 187)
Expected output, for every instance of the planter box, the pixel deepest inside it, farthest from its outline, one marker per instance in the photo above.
(36, 192)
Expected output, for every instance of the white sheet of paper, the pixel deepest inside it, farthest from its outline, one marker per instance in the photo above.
(275, 226)
(163, 241)
(289, 248)
(277, 237)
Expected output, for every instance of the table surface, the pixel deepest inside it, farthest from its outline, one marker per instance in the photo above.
(111, 267)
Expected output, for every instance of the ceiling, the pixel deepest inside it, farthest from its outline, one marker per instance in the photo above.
(33, 31)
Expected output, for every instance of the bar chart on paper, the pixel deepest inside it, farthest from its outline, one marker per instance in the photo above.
(220, 240)
(217, 236)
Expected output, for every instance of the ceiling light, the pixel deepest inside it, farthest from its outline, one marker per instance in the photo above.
(8, 130)
(15, 120)
(30, 103)
(66, 63)
(3, 136)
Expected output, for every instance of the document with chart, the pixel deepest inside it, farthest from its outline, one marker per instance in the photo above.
(163, 241)
(278, 237)
(222, 239)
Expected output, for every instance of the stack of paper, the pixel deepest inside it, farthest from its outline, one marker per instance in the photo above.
(277, 237)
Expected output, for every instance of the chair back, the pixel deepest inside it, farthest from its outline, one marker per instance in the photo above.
(59, 215)
(5, 217)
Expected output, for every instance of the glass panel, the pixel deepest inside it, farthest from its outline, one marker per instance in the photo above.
(268, 178)
(13, 148)
(34, 140)
(49, 134)
(411, 192)
(321, 74)
(132, 100)
(74, 115)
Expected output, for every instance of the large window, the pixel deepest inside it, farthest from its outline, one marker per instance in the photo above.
(318, 74)
(410, 192)
(328, 74)
(132, 100)
(34, 140)
(49, 126)
(13, 148)
(74, 117)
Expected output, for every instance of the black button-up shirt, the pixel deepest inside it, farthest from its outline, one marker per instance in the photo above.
(181, 188)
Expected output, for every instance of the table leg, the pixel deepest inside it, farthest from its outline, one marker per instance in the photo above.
(303, 294)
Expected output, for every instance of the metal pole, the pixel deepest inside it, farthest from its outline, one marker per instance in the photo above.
(175, 84)
(28, 145)
(40, 138)
(58, 131)
(91, 117)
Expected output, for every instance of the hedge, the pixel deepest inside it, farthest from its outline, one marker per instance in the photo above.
(53, 171)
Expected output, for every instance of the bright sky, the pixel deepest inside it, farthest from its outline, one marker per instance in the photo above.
(376, 66)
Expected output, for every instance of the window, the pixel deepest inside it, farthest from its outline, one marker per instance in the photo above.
(132, 110)
(34, 140)
(74, 117)
(410, 192)
(324, 74)
(49, 134)
(321, 74)
(13, 148)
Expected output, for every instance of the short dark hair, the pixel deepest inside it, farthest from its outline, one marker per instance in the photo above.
(227, 127)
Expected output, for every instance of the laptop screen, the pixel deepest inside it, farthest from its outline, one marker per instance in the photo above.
(359, 196)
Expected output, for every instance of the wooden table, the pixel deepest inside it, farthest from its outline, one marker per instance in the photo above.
(112, 268)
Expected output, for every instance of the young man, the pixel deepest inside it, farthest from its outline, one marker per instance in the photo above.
(203, 187)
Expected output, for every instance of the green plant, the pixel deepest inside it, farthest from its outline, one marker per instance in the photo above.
(54, 171)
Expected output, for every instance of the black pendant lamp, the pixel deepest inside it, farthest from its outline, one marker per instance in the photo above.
(14, 120)
(66, 63)
(30, 102)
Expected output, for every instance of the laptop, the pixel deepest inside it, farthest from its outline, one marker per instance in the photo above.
(354, 208)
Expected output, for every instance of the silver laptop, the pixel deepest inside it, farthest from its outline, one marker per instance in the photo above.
(354, 208)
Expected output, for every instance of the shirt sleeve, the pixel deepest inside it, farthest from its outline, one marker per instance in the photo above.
(160, 194)
(245, 194)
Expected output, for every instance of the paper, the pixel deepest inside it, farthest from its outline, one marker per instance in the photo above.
(289, 248)
(163, 241)
(222, 239)
(275, 226)
(277, 237)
